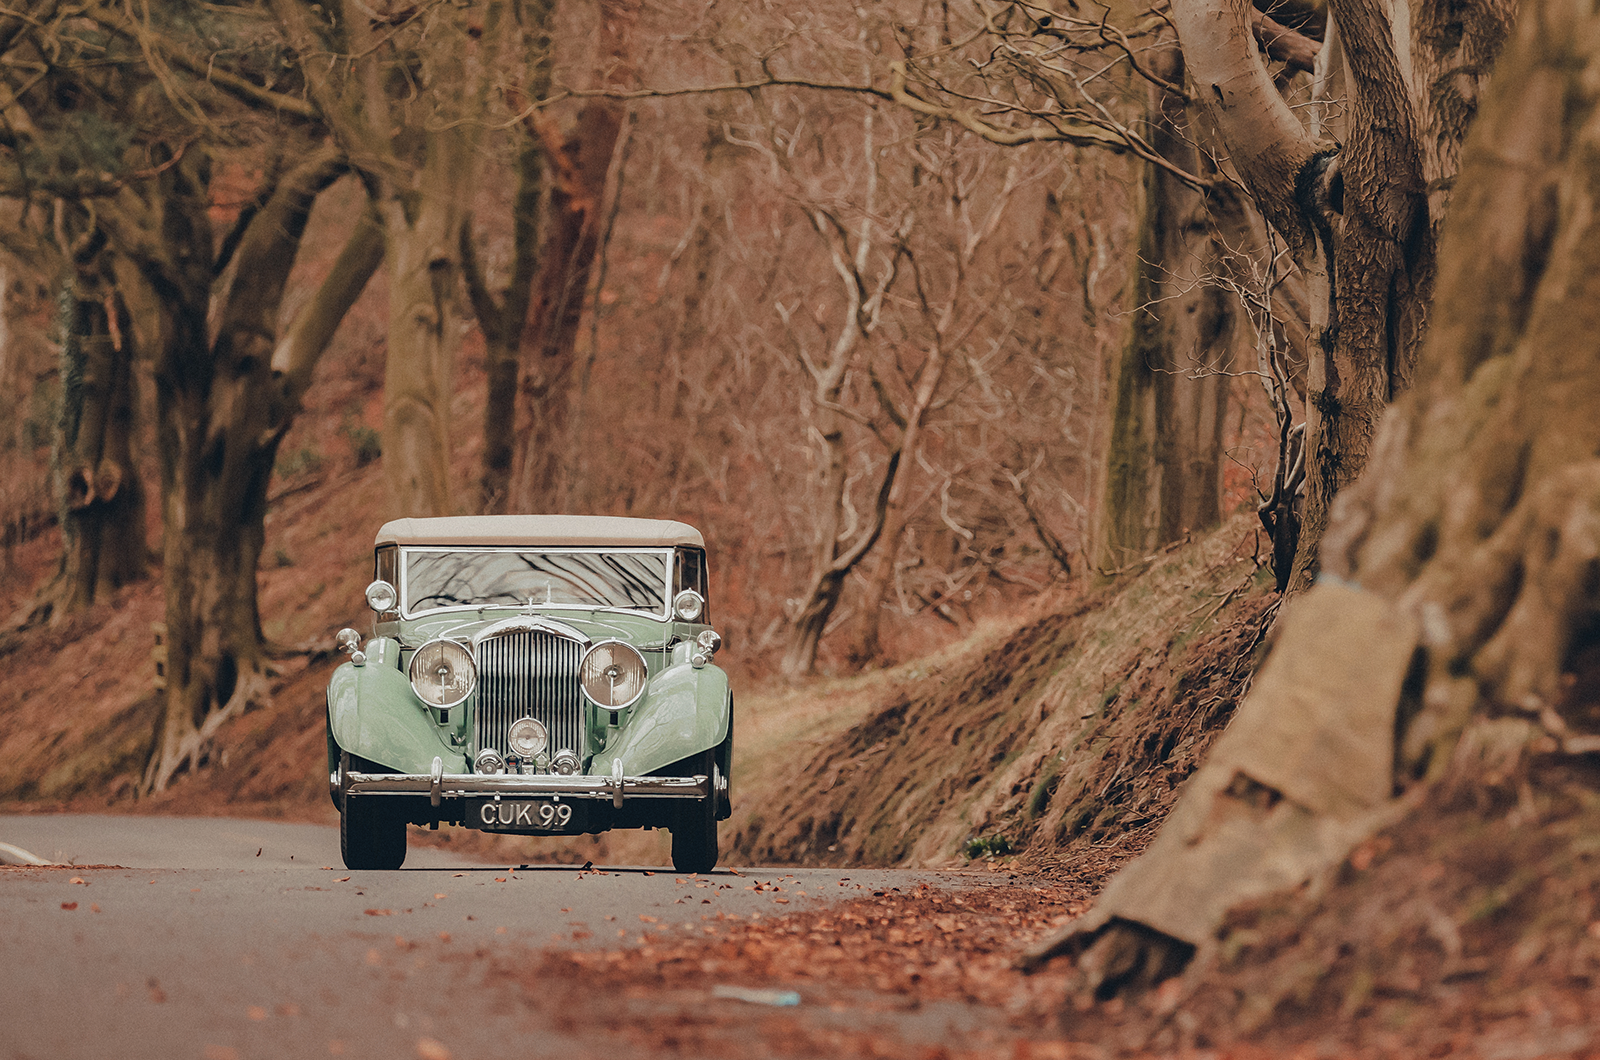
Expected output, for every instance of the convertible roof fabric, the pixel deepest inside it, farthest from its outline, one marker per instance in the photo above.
(540, 531)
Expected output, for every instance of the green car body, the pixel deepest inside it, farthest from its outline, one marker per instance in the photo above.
(533, 675)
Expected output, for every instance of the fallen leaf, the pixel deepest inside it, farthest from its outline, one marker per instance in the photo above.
(379, 912)
(157, 994)
(647, 919)
(259, 850)
(341, 879)
(444, 936)
(499, 931)
(78, 879)
(648, 873)
(69, 906)
(256, 1012)
(438, 896)
(93, 908)
(432, 1049)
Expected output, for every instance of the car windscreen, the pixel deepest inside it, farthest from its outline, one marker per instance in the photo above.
(633, 580)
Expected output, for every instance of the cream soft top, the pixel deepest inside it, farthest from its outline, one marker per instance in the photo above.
(540, 531)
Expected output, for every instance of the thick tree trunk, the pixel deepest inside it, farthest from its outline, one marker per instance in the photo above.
(223, 407)
(1479, 512)
(1360, 216)
(503, 318)
(572, 239)
(98, 487)
(1162, 474)
(581, 162)
(421, 257)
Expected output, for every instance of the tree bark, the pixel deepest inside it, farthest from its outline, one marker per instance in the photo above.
(101, 497)
(408, 109)
(572, 238)
(581, 162)
(1478, 512)
(1162, 470)
(1360, 216)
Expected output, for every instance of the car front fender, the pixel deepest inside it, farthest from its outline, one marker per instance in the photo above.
(372, 712)
(686, 711)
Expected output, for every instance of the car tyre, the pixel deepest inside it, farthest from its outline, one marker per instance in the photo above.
(371, 835)
(694, 834)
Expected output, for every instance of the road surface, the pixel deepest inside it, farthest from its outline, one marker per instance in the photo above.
(224, 939)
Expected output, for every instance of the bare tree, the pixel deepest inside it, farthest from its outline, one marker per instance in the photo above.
(203, 305)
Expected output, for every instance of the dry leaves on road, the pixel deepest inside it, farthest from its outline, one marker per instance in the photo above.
(891, 948)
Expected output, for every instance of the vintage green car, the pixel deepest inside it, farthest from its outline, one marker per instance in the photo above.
(536, 675)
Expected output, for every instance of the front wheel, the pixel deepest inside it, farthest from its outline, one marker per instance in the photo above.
(371, 835)
(694, 833)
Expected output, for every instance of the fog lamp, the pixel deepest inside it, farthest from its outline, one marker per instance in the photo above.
(527, 737)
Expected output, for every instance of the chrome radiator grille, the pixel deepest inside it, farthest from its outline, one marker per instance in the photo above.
(530, 674)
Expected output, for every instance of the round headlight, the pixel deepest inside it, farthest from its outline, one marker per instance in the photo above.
(527, 737)
(381, 596)
(689, 605)
(443, 673)
(565, 763)
(489, 762)
(613, 674)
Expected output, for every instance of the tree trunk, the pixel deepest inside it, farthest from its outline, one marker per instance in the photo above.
(1162, 474)
(98, 487)
(572, 239)
(581, 161)
(1479, 512)
(223, 406)
(421, 256)
(868, 646)
(1360, 216)
(503, 317)
(834, 560)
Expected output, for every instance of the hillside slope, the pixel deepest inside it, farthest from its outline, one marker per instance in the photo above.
(1072, 728)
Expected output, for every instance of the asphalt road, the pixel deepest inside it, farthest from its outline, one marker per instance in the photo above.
(223, 939)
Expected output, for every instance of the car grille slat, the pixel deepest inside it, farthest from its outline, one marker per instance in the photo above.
(530, 674)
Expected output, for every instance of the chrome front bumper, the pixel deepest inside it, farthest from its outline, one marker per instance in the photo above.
(439, 785)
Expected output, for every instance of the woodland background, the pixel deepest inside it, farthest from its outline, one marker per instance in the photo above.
(1017, 362)
(549, 257)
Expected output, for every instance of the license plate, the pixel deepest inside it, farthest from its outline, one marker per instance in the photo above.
(537, 815)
